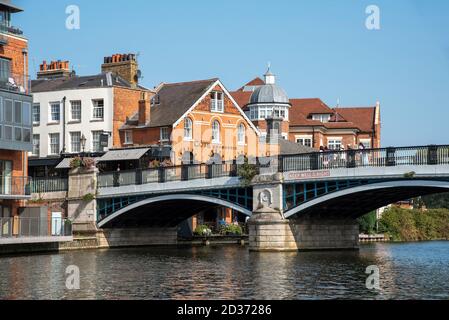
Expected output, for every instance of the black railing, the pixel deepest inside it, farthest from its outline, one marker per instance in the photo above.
(46, 185)
(166, 174)
(385, 157)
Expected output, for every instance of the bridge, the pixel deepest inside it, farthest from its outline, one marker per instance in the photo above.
(305, 201)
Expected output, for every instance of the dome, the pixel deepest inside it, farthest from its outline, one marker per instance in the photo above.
(269, 93)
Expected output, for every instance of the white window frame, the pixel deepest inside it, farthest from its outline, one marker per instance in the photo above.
(332, 143)
(77, 104)
(241, 134)
(96, 110)
(164, 134)
(324, 118)
(51, 144)
(50, 114)
(216, 136)
(75, 143)
(96, 144)
(302, 140)
(367, 143)
(36, 107)
(128, 137)
(188, 129)
(36, 146)
(217, 105)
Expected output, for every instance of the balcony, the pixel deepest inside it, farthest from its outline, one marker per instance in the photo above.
(17, 83)
(15, 188)
(20, 230)
(4, 28)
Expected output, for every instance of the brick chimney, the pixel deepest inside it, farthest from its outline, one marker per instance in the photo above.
(144, 109)
(124, 65)
(54, 70)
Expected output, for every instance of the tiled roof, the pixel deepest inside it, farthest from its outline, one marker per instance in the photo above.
(174, 100)
(255, 82)
(95, 81)
(310, 106)
(241, 97)
(363, 117)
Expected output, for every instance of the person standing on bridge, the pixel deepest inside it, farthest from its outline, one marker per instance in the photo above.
(363, 154)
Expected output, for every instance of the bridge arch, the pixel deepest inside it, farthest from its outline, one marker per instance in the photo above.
(356, 201)
(187, 204)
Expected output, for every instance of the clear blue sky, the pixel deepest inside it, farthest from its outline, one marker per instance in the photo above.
(317, 49)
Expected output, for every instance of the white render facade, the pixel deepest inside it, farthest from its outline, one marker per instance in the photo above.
(95, 116)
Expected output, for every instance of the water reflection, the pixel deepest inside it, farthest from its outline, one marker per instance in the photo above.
(408, 271)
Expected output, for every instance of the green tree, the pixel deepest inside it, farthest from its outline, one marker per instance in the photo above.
(367, 223)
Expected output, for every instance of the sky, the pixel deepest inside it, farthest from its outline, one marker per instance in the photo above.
(317, 48)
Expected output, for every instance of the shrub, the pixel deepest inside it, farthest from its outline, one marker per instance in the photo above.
(246, 172)
(233, 229)
(88, 197)
(203, 230)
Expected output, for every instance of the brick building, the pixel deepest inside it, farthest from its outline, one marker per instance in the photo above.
(81, 114)
(310, 122)
(15, 119)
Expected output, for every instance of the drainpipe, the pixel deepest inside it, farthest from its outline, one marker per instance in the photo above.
(63, 125)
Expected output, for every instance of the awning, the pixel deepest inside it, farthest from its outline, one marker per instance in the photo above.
(123, 155)
(65, 163)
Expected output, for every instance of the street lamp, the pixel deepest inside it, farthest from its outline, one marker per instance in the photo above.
(83, 143)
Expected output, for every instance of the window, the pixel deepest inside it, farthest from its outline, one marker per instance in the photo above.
(217, 102)
(17, 112)
(54, 143)
(165, 135)
(75, 142)
(215, 132)
(26, 114)
(188, 130)
(5, 69)
(8, 133)
(241, 134)
(8, 111)
(96, 137)
(36, 113)
(26, 135)
(322, 117)
(128, 137)
(366, 143)
(334, 144)
(36, 145)
(305, 141)
(55, 112)
(98, 109)
(75, 110)
(17, 134)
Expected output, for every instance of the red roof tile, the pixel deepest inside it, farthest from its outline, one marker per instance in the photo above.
(241, 97)
(362, 117)
(255, 82)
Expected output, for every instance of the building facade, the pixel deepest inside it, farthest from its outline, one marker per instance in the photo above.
(81, 114)
(310, 122)
(15, 118)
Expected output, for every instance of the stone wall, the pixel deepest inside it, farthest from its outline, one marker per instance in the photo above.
(113, 238)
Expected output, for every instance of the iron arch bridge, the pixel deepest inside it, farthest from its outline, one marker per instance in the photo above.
(170, 209)
(354, 198)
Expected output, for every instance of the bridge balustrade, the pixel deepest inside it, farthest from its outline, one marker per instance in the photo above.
(384, 157)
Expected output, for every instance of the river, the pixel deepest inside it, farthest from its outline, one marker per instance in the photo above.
(407, 271)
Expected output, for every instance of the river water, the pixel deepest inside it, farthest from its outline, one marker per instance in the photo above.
(407, 271)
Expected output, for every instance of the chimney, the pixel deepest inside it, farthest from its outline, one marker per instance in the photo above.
(144, 110)
(54, 70)
(123, 65)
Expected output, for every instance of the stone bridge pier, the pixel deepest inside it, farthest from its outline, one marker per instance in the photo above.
(270, 231)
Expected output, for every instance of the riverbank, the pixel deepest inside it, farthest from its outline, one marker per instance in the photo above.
(403, 225)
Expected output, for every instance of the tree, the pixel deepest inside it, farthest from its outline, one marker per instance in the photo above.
(368, 223)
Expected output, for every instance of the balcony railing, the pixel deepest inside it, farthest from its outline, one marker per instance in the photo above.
(34, 227)
(46, 185)
(386, 157)
(14, 186)
(10, 30)
(18, 83)
(166, 174)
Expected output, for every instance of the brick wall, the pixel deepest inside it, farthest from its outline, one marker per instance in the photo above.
(14, 51)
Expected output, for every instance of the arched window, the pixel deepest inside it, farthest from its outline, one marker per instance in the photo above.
(215, 132)
(188, 129)
(241, 134)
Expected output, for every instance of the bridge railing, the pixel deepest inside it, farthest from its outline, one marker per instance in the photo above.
(384, 157)
(166, 174)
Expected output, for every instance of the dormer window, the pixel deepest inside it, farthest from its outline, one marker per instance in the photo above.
(321, 117)
(217, 102)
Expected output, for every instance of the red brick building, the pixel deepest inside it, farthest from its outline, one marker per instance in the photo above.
(310, 122)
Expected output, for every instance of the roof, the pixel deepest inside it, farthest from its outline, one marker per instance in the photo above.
(65, 163)
(253, 83)
(288, 147)
(241, 97)
(364, 117)
(95, 81)
(174, 100)
(269, 93)
(11, 7)
(124, 155)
